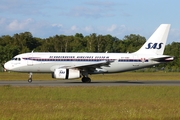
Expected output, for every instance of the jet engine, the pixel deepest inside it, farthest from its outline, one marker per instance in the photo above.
(63, 73)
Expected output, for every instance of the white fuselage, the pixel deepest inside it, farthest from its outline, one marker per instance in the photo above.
(48, 62)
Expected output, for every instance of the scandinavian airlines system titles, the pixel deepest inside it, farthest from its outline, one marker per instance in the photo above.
(81, 57)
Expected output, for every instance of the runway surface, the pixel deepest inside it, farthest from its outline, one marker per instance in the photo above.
(93, 83)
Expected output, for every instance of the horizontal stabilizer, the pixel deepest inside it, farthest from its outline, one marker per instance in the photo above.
(163, 59)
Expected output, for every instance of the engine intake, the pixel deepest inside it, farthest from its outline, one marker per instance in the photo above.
(63, 73)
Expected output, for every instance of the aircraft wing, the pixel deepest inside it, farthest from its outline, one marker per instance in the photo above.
(90, 67)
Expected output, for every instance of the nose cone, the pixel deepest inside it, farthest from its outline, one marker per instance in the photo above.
(7, 66)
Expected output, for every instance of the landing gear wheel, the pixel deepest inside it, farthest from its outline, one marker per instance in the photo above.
(30, 80)
(86, 80)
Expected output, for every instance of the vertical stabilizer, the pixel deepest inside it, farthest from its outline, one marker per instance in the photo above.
(157, 42)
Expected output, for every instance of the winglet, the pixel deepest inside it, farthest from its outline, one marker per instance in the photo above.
(157, 42)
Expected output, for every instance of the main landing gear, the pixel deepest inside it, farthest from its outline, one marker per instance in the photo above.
(86, 79)
(30, 77)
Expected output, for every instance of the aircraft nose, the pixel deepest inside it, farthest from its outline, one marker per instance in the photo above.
(7, 66)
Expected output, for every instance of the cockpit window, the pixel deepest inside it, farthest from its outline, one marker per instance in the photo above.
(16, 59)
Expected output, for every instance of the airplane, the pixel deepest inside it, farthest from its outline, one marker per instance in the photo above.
(64, 65)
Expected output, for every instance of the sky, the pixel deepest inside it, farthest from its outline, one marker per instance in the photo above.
(45, 18)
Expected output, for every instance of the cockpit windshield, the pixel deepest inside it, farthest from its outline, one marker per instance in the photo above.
(16, 59)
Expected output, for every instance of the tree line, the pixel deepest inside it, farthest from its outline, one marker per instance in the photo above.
(25, 42)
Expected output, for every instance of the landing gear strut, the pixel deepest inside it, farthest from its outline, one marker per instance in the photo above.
(30, 77)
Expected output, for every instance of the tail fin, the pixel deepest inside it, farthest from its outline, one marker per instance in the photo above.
(156, 43)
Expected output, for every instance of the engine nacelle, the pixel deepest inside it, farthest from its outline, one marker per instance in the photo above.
(63, 73)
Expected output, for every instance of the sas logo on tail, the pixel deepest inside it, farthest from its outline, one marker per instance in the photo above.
(154, 46)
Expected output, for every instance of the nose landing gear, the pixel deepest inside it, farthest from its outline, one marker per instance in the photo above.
(30, 77)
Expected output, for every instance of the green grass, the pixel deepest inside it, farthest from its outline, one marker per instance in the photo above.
(117, 76)
(123, 102)
(79, 103)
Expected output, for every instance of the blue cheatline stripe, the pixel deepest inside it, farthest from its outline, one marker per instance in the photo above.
(85, 60)
(132, 60)
(66, 60)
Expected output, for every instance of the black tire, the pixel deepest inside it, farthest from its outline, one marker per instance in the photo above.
(30, 80)
(86, 80)
(83, 80)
